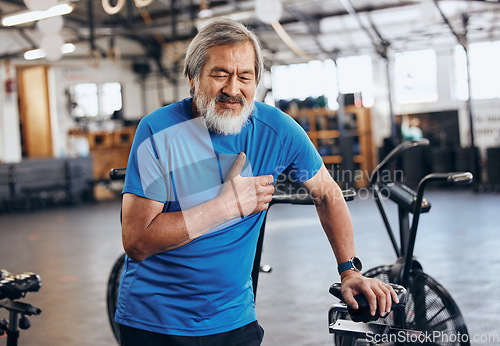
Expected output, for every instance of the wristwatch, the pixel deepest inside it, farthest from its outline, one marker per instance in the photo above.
(354, 264)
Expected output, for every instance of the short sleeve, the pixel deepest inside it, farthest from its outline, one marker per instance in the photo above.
(302, 158)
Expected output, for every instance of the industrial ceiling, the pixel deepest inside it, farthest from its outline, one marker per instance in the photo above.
(319, 29)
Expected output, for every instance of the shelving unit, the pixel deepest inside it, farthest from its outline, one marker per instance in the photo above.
(108, 150)
(322, 126)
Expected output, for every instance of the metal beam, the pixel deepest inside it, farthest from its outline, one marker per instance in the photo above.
(313, 31)
(463, 41)
(28, 39)
(381, 47)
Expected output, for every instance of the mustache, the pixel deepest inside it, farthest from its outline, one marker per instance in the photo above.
(227, 98)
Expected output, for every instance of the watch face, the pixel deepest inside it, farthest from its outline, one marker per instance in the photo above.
(356, 262)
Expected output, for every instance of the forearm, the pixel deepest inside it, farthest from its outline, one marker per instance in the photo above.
(333, 213)
(155, 232)
(336, 222)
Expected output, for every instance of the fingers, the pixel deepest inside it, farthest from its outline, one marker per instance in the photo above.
(264, 191)
(390, 297)
(394, 295)
(265, 186)
(266, 179)
(349, 288)
(237, 167)
(378, 294)
(384, 302)
(349, 298)
(372, 301)
(251, 194)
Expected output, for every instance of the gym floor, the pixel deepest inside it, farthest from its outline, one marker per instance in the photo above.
(73, 250)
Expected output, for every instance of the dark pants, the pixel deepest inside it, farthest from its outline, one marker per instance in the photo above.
(249, 335)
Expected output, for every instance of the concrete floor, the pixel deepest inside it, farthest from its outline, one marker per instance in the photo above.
(73, 249)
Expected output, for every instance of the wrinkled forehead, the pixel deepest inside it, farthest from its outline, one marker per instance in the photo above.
(238, 58)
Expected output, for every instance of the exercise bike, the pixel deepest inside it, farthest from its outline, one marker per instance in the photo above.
(426, 314)
(12, 287)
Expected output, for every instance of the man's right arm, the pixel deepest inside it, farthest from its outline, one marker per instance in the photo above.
(147, 231)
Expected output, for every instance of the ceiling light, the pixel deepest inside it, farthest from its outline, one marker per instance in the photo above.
(68, 48)
(40, 53)
(34, 54)
(31, 16)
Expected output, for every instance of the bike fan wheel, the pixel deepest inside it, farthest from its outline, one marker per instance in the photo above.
(429, 309)
(112, 294)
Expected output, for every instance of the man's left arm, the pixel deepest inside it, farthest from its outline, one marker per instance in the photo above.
(336, 221)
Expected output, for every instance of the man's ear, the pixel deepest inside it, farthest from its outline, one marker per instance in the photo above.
(191, 82)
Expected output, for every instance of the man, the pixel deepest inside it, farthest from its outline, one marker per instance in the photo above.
(198, 183)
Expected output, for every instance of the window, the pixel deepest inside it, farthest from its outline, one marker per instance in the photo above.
(84, 100)
(415, 77)
(319, 78)
(91, 100)
(299, 81)
(110, 98)
(355, 75)
(484, 71)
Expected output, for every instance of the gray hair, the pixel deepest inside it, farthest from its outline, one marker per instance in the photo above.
(218, 33)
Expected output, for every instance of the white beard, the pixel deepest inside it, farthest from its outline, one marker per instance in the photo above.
(225, 123)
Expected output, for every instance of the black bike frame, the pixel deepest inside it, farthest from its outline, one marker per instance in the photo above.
(407, 231)
(15, 309)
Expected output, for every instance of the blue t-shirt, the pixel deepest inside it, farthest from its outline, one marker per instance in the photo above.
(203, 287)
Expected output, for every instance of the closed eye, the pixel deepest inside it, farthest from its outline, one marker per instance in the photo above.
(247, 77)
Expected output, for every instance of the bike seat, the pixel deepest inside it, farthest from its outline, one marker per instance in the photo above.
(362, 313)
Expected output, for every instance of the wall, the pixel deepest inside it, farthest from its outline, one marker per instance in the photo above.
(486, 113)
(69, 73)
(10, 139)
(380, 112)
(160, 92)
(139, 99)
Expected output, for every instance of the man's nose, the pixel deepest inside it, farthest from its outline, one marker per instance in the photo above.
(232, 87)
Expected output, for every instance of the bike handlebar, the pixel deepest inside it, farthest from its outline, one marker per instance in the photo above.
(20, 307)
(462, 178)
(117, 173)
(302, 198)
(395, 153)
(305, 198)
(362, 313)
